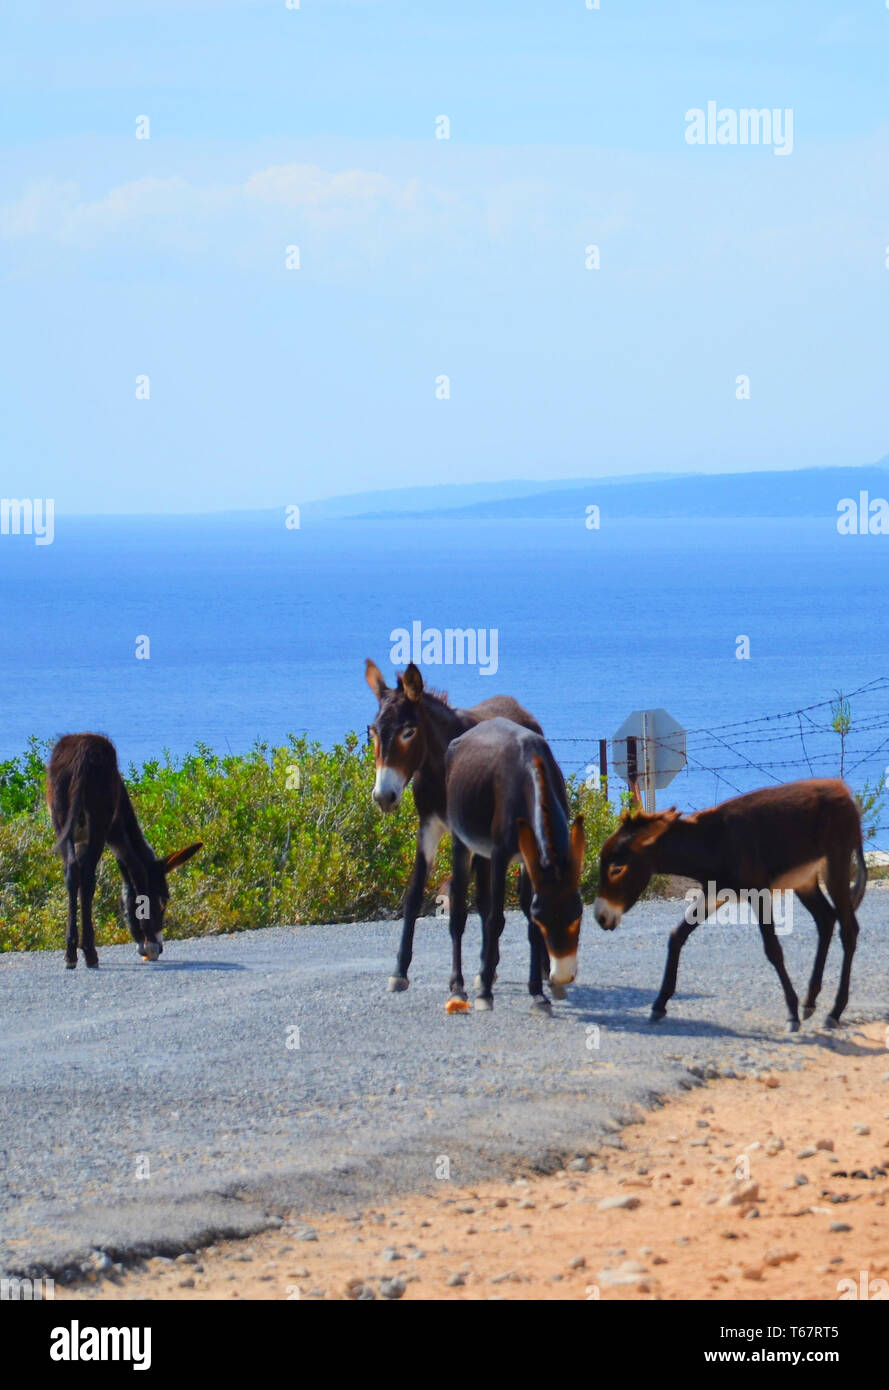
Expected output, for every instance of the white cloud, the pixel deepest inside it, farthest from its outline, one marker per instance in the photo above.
(59, 212)
(305, 185)
(43, 205)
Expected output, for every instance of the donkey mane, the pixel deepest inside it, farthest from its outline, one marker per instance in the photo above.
(546, 824)
(636, 816)
(550, 821)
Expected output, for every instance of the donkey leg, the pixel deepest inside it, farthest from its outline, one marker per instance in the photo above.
(698, 910)
(849, 938)
(483, 907)
(775, 956)
(678, 937)
(460, 866)
(539, 954)
(838, 888)
(72, 883)
(412, 903)
(814, 901)
(493, 928)
(87, 891)
(90, 855)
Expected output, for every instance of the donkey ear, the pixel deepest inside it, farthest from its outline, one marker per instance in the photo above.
(655, 826)
(374, 677)
(180, 856)
(530, 852)
(412, 683)
(578, 845)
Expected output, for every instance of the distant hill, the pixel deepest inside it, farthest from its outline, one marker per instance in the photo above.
(451, 496)
(798, 493)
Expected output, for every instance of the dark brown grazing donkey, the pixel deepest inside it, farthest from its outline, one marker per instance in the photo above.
(411, 734)
(506, 797)
(90, 807)
(779, 838)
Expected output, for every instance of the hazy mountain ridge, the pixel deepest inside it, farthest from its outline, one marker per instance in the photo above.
(801, 492)
(441, 497)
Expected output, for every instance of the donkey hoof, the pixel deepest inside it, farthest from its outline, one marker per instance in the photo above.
(807, 1010)
(70, 964)
(656, 1015)
(831, 1022)
(396, 984)
(458, 1004)
(92, 964)
(484, 1003)
(792, 1025)
(149, 950)
(559, 991)
(541, 1005)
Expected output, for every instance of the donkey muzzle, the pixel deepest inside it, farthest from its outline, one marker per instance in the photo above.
(387, 788)
(606, 914)
(562, 969)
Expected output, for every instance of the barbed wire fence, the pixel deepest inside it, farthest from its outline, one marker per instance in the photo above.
(744, 754)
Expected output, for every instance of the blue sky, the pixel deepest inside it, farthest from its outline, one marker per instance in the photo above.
(421, 257)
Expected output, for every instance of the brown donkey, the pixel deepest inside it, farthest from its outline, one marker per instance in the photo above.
(411, 734)
(90, 807)
(506, 799)
(779, 838)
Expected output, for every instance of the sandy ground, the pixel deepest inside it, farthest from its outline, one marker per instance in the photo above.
(770, 1187)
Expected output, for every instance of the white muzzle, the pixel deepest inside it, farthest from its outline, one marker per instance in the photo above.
(563, 969)
(388, 788)
(606, 914)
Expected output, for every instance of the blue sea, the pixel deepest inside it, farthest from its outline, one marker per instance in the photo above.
(256, 631)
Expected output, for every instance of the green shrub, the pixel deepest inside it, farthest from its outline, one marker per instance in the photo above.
(21, 779)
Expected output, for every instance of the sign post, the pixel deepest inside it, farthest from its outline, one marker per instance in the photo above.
(603, 766)
(648, 749)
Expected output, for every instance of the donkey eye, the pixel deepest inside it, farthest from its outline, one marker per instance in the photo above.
(408, 732)
(615, 870)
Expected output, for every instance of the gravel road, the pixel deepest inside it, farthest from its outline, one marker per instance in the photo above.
(147, 1109)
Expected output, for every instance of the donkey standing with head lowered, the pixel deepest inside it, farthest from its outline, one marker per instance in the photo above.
(779, 838)
(506, 798)
(90, 807)
(411, 735)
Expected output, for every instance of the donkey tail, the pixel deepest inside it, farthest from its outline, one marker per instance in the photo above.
(860, 883)
(74, 814)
